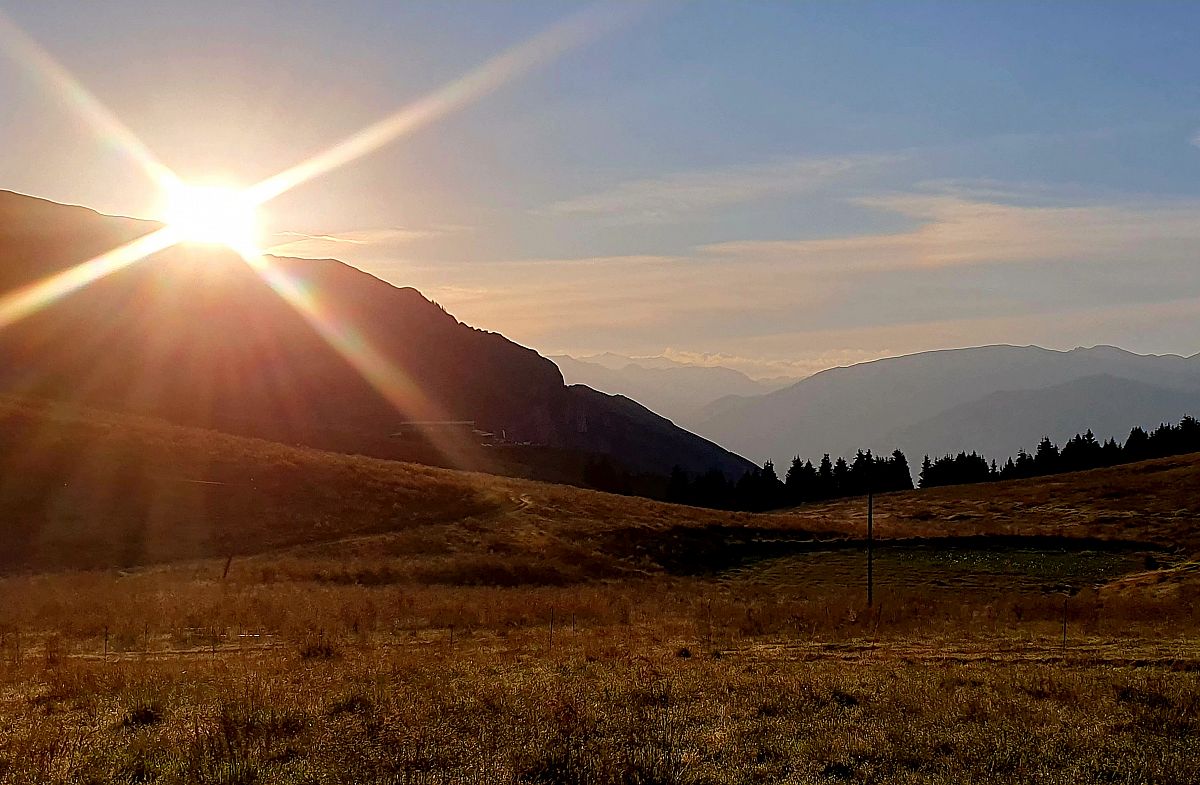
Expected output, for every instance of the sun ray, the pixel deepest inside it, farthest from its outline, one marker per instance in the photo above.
(30, 299)
(568, 34)
(212, 218)
(347, 340)
(27, 53)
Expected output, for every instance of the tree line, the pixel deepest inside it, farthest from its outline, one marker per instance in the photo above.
(1082, 451)
(762, 489)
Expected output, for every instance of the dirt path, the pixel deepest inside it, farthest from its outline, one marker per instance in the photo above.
(1180, 654)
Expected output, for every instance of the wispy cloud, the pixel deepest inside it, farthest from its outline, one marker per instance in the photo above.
(958, 227)
(305, 244)
(673, 196)
(753, 288)
(774, 307)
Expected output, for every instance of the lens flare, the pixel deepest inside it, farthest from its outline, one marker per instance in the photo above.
(30, 299)
(37, 61)
(227, 216)
(388, 379)
(548, 45)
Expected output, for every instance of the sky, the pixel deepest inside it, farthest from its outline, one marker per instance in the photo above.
(776, 187)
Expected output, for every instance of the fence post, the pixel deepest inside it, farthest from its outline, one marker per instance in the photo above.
(870, 547)
(1064, 620)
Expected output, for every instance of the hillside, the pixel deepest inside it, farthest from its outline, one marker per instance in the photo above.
(912, 402)
(194, 336)
(89, 489)
(84, 488)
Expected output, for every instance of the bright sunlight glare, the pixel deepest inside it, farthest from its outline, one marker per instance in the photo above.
(214, 215)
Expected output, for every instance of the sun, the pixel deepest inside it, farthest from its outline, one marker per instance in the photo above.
(212, 215)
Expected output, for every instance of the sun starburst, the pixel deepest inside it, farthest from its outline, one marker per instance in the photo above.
(214, 215)
(227, 216)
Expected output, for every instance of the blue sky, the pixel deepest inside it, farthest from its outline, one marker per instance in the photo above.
(776, 186)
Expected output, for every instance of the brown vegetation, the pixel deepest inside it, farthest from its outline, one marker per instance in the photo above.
(385, 622)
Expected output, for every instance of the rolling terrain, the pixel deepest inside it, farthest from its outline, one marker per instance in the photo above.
(179, 605)
(88, 489)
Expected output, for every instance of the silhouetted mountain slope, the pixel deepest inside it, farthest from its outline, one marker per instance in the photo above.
(870, 405)
(675, 390)
(193, 335)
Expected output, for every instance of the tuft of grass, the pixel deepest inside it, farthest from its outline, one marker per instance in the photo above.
(141, 714)
(317, 647)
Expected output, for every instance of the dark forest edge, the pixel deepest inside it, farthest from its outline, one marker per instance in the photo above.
(1081, 452)
(762, 489)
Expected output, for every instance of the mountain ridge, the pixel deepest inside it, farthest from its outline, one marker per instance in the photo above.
(193, 335)
(863, 406)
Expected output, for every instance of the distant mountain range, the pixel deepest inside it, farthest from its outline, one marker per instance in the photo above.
(994, 399)
(194, 336)
(676, 390)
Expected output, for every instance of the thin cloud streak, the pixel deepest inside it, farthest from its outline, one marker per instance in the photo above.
(674, 196)
(768, 298)
(303, 244)
(953, 230)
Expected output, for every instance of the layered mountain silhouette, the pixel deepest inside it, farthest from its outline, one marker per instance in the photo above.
(994, 399)
(676, 390)
(193, 335)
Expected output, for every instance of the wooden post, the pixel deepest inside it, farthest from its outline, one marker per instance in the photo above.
(106, 643)
(1064, 639)
(551, 629)
(870, 547)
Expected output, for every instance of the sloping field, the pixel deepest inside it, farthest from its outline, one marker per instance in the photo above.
(84, 489)
(183, 606)
(1154, 501)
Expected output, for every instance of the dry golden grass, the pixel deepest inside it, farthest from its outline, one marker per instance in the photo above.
(174, 674)
(1154, 501)
(390, 623)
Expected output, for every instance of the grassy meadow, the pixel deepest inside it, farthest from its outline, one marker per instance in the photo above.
(338, 619)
